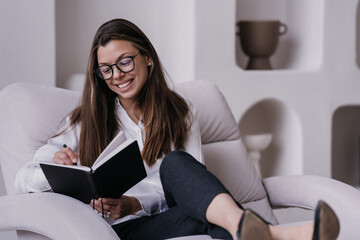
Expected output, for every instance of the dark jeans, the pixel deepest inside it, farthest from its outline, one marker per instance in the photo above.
(189, 188)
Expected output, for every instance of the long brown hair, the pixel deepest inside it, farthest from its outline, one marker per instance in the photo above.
(165, 113)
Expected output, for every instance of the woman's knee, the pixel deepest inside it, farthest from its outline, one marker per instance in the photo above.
(176, 161)
(173, 159)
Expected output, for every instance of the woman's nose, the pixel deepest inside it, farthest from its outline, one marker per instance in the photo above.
(117, 73)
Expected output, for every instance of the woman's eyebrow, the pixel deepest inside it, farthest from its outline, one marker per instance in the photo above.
(121, 56)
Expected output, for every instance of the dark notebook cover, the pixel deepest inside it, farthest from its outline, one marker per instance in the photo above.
(110, 179)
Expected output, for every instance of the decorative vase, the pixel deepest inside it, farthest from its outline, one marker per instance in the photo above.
(256, 143)
(259, 40)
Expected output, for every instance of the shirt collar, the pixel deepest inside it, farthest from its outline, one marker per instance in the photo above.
(121, 111)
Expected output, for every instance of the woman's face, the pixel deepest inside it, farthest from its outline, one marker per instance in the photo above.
(125, 85)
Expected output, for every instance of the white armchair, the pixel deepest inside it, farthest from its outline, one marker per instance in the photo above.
(31, 114)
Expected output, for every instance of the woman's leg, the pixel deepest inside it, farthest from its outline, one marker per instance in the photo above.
(170, 224)
(186, 215)
(197, 192)
(200, 195)
(224, 212)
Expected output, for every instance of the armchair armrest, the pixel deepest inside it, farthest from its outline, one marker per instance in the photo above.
(54, 216)
(305, 191)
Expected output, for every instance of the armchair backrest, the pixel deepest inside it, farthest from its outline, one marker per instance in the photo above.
(224, 151)
(31, 114)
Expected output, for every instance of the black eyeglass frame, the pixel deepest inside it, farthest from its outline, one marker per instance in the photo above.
(99, 74)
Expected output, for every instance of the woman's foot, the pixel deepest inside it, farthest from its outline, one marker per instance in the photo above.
(325, 227)
(301, 232)
(253, 227)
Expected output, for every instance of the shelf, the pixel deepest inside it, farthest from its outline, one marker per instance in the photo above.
(302, 46)
(284, 154)
(346, 145)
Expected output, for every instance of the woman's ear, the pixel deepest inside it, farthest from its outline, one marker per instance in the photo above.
(148, 61)
(150, 66)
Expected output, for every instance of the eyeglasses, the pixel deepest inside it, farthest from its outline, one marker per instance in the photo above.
(125, 65)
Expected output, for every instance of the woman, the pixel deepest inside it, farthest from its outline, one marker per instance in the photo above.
(125, 90)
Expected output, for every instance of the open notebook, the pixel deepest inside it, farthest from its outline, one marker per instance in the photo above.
(118, 168)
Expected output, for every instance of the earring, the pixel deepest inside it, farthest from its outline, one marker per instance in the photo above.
(149, 64)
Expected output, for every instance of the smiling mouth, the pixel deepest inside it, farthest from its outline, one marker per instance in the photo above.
(125, 83)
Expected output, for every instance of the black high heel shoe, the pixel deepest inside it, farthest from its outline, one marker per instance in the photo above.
(253, 227)
(327, 224)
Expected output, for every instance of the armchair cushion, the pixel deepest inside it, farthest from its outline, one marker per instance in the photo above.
(214, 114)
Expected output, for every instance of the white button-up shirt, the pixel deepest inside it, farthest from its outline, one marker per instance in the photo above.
(149, 192)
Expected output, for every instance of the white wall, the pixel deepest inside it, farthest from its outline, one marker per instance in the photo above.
(168, 24)
(27, 41)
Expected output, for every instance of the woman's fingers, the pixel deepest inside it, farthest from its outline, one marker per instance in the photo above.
(71, 154)
(101, 208)
(62, 158)
(118, 207)
(65, 157)
(110, 201)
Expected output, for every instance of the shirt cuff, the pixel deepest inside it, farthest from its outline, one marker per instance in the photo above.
(31, 178)
(151, 204)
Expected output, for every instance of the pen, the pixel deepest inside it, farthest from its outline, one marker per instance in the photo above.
(64, 146)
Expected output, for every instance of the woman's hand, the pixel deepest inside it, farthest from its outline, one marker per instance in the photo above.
(65, 156)
(117, 207)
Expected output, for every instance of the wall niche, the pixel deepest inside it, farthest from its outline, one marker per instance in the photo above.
(346, 144)
(284, 154)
